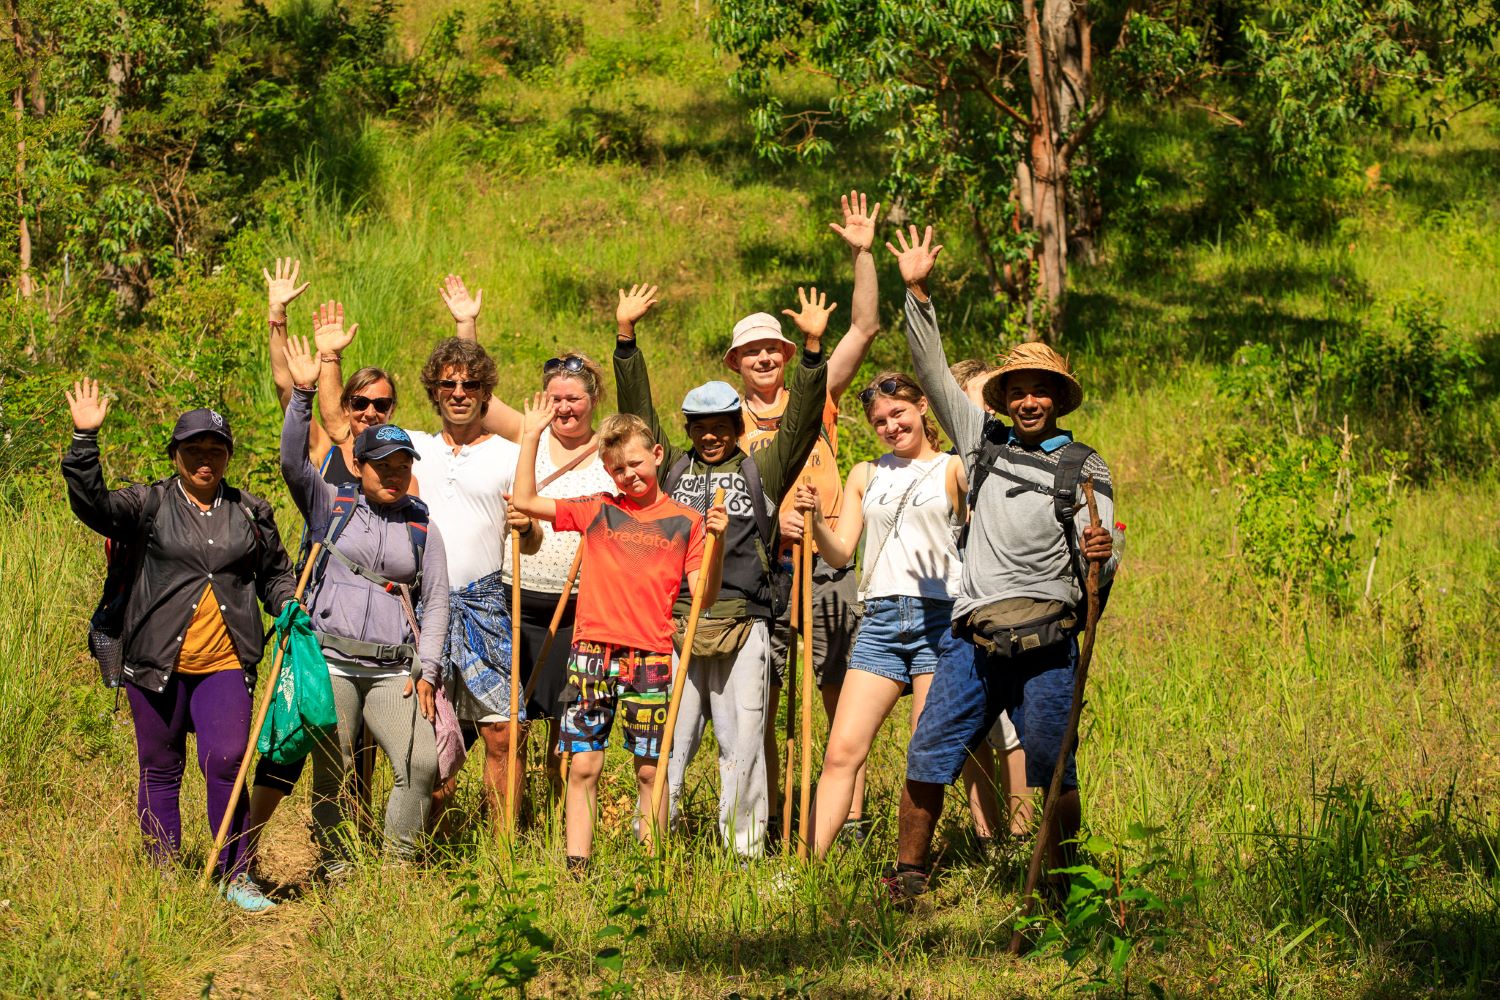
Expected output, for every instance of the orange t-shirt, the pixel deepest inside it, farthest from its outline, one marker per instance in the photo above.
(822, 465)
(207, 647)
(634, 559)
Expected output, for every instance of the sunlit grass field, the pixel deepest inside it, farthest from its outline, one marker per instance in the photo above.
(1302, 797)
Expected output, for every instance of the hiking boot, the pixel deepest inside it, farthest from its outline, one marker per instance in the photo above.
(244, 893)
(904, 886)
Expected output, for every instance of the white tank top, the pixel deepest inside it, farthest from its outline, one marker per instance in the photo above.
(910, 549)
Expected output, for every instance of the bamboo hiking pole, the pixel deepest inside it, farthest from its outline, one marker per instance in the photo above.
(791, 697)
(512, 785)
(679, 679)
(1070, 737)
(562, 605)
(260, 720)
(804, 821)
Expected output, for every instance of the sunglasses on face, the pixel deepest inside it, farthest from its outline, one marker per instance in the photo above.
(382, 404)
(572, 364)
(469, 384)
(886, 387)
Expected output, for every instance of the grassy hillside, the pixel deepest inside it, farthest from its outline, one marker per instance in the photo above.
(1296, 778)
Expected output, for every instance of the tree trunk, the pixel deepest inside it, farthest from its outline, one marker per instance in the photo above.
(1048, 174)
(25, 284)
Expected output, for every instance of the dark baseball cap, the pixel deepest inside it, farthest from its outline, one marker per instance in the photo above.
(201, 421)
(382, 440)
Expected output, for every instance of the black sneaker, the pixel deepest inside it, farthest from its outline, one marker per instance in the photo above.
(904, 887)
(578, 867)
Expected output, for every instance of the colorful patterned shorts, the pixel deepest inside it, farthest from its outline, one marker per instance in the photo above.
(603, 680)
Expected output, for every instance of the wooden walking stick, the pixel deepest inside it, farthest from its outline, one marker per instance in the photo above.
(511, 783)
(791, 696)
(803, 821)
(562, 605)
(679, 678)
(260, 720)
(1070, 737)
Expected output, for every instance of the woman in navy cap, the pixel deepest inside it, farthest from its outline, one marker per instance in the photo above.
(381, 559)
(204, 551)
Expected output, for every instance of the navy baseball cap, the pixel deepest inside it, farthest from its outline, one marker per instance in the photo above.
(201, 421)
(381, 441)
(711, 399)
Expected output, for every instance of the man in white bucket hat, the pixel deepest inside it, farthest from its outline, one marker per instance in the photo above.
(759, 354)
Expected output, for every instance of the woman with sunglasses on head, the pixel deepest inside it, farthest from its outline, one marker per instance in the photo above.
(567, 465)
(367, 399)
(907, 504)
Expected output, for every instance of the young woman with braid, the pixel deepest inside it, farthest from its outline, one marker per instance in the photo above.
(907, 505)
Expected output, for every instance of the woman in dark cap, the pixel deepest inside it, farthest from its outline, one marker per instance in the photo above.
(192, 632)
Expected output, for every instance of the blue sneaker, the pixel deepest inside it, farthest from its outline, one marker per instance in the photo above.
(244, 893)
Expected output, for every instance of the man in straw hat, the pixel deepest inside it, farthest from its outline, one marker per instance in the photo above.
(1026, 552)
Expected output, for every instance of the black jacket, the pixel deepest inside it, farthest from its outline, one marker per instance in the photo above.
(235, 547)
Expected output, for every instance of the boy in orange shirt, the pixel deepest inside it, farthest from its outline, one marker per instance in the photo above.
(638, 544)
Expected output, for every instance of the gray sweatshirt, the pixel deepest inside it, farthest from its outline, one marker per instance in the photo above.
(1015, 548)
(343, 603)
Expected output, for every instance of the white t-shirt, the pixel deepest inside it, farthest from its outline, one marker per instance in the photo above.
(547, 571)
(920, 559)
(464, 492)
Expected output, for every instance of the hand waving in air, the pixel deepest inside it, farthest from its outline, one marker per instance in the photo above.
(633, 305)
(916, 258)
(282, 287)
(465, 308)
(300, 360)
(858, 229)
(539, 413)
(811, 316)
(329, 335)
(87, 406)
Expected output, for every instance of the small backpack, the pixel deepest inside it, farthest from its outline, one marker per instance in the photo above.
(1064, 492)
(344, 502)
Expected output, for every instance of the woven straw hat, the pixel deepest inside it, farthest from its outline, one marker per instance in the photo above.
(1036, 357)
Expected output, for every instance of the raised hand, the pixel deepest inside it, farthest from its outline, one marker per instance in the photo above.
(87, 406)
(465, 308)
(805, 500)
(858, 229)
(632, 306)
(539, 413)
(300, 360)
(282, 287)
(915, 258)
(811, 316)
(329, 335)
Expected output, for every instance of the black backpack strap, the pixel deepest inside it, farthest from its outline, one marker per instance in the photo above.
(990, 443)
(1065, 500)
(676, 472)
(765, 526)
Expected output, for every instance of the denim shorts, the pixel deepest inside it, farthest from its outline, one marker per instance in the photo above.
(964, 702)
(904, 637)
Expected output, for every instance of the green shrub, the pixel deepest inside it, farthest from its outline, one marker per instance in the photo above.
(529, 37)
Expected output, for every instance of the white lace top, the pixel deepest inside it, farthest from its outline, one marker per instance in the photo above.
(547, 571)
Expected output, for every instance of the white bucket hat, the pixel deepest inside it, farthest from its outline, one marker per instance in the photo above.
(755, 327)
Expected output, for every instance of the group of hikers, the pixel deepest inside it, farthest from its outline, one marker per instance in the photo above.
(969, 599)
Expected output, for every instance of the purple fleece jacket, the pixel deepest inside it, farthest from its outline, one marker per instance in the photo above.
(376, 537)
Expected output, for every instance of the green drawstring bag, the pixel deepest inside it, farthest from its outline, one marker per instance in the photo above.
(302, 710)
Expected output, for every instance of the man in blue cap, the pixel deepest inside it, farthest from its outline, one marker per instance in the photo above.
(727, 681)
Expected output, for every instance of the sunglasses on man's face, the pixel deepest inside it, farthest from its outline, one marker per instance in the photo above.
(469, 384)
(382, 404)
(886, 387)
(572, 364)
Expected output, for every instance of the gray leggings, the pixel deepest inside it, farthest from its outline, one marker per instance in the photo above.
(408, 742)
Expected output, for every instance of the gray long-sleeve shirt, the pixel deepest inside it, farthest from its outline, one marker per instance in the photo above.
(343, 603)
(1016, 547)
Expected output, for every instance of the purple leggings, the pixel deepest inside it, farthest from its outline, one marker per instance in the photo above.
(217, 708)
